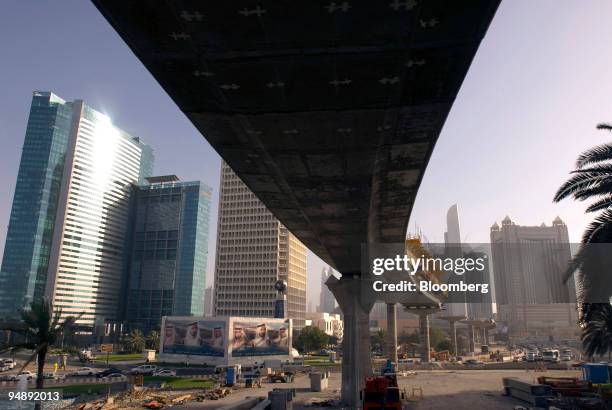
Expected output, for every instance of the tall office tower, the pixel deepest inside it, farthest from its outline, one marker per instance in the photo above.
(68, 225)
(30, 231)
(475, 308)
(452, 241)
(209, 305)
(167, 273)
(452, 234)
(528, 265)
(327, 301)
(254, 250)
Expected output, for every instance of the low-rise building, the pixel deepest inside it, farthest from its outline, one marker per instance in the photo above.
(330, 323)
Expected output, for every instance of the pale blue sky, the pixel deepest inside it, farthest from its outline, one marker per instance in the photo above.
(539, 84)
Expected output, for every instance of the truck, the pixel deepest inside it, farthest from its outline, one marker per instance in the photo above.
(85, 356)
(273, 364)
(382, 392)
(531, 356)
(255, 370)
(283, 377)
(551, 355)
(258, 369)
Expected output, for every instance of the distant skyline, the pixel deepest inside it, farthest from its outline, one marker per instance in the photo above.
(529, 105)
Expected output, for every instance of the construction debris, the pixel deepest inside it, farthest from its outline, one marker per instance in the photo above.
(181, 399)
(567, 386)
(535, 394)
(151, 399)
(153, 404)
(316, 402)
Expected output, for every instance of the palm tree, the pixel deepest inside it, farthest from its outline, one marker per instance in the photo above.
(597, 332)
(378, 339)
(39, 328)
(153, 340)
(134, 342)
(592, 180)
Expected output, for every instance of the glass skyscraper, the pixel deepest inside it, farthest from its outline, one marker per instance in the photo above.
(71, 212)
(170, 250)
(30, 231)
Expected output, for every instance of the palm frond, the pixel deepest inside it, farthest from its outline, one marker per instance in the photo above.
(15, 327)
(604, 169)
(603, 203)
(604, 126)
(67, 322)
(597, 334)
(603, 187)
(597, 154)
(56, 318)
(12, 348)
(575, 264)
(601, 226)
(576, 184)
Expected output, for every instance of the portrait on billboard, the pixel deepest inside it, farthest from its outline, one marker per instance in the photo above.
(260, 338)
(194, 337)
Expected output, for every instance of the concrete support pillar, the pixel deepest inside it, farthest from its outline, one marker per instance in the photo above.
(471, 339)
(453, 335)
(424, 336)
(485, 338)
(392, 332)
(356, 350)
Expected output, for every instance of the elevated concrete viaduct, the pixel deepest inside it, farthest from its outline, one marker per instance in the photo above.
(327, 110)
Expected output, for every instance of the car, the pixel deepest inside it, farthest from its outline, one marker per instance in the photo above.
(8, 362)
(566, 357)
(408, 361)
(108, 372)
(473, 362)
(84, 371)
(144, 369)
(53, 376)
(4, 367)
(165, 373)
(27, 374)
(119, 376)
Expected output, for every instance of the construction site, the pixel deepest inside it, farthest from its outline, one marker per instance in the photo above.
(460, 388)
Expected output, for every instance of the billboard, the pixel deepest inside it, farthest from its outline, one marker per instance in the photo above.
(260, 337)
(194, 337)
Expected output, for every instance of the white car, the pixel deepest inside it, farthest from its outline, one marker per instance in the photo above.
(165, 373)
(8, 362)
(84, 371)
(144, 369)
(24, 374)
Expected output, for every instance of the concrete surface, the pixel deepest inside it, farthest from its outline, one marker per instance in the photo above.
(442, 389)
